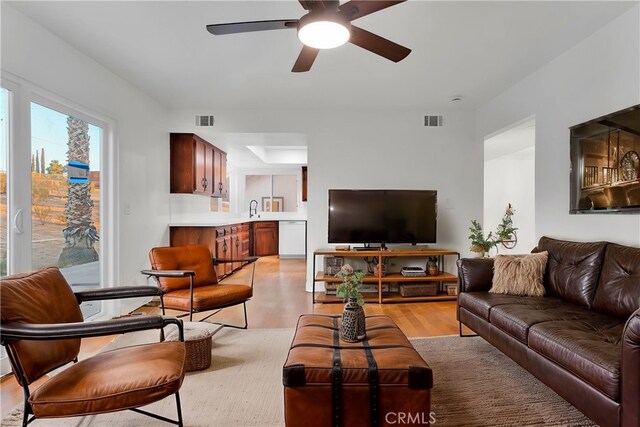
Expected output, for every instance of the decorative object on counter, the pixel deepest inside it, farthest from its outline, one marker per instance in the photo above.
(353, 319)
(273, 204)
(432, 265)
(506, 232)
(479, 243)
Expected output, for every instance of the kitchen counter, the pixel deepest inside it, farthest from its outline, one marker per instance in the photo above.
(215, 222)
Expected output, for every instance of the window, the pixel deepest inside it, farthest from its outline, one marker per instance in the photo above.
(274, 193)
(65, 197)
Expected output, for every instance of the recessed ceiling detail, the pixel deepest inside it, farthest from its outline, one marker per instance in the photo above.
(280, 155)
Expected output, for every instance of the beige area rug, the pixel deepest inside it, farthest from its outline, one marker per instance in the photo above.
(475, 385)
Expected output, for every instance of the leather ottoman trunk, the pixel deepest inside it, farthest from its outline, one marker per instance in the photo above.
(381, 381)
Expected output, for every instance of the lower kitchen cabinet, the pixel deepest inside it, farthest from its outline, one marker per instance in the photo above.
(265, 238)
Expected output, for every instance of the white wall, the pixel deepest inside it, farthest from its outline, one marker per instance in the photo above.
(511, 179)
(375, 149)
(37, 56)
(599, 75)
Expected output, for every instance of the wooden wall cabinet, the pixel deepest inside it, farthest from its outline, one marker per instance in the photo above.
(226, 242)
(304, 183)
(197, 166)
(265, 238)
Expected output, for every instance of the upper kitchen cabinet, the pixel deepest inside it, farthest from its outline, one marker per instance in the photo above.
(220, 173)
(197, 166)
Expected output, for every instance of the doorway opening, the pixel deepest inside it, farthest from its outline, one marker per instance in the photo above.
(509, 180)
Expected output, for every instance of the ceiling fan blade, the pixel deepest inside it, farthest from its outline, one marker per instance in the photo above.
(355, 9)
(305, 59)
(378, 45)
(317, 4)
(245, 27)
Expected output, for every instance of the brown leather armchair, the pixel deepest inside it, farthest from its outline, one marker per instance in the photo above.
(187, 278)
(41, 329)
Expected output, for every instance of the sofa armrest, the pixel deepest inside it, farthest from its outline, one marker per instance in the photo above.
(630, 371)
(475, 274)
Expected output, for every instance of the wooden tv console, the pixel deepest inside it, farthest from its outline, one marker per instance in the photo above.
(390, 277)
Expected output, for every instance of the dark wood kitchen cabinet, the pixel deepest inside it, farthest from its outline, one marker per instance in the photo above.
(197, 166)
(265, 238)
(230, 242)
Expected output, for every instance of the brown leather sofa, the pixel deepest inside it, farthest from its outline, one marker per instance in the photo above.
(582, 338)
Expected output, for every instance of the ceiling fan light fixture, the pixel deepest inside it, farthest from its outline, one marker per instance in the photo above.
(323, 32)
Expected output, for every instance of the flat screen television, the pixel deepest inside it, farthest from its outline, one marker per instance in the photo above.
(382, 216)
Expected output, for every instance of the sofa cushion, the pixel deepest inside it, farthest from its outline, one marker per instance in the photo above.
(519, 274)
(589, 348)
(573, 269)
(480, 303)
(618, 293)
(516, 319)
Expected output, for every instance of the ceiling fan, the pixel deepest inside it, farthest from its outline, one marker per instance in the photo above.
(326, 25)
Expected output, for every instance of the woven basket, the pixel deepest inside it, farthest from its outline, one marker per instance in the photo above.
(198, 354)
(197, 341)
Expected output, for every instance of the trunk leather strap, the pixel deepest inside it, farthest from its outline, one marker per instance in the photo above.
(336, 379)
(374, 385)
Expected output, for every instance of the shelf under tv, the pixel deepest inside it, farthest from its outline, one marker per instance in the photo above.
(387, 297)
(394, 277)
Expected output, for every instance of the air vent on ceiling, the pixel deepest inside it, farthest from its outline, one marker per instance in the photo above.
(204, 120)
(432, 121)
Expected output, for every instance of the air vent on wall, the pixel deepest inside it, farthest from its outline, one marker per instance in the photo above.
(432, 121)
(204, 120)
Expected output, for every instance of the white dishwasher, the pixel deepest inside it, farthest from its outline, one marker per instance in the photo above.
(293, 239)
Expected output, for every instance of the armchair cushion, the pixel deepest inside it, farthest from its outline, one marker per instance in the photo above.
(208, 297)
(196, 258)
(111, 381)
(40, 297)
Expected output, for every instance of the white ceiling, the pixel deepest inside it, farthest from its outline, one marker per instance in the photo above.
(474, 49)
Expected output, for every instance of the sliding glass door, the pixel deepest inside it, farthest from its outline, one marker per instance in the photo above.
(51, 189)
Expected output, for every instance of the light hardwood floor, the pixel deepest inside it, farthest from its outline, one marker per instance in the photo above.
(279, 298)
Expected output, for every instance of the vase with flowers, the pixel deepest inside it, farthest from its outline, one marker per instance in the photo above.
(353, 319)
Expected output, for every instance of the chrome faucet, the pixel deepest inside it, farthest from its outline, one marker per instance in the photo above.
(253, 211)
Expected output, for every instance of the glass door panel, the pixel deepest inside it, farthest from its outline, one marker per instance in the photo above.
(4, 151)
(65, 196)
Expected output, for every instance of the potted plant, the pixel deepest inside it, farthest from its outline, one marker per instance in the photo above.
(353, 320)
(479, 243)
(432, 265)
(506, 232)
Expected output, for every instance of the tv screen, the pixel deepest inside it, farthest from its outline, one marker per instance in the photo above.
(382, 216)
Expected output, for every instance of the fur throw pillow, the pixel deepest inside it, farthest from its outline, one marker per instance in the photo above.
(519, 274)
